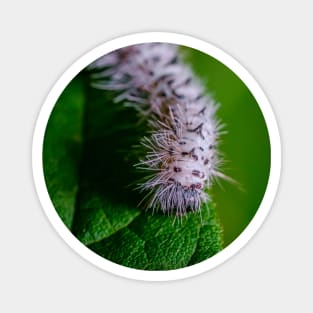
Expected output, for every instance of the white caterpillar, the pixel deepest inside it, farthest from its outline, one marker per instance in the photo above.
(181, 152)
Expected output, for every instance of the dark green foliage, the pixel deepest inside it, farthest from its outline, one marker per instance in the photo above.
(62, 148)
(98, 218)
(106, 201)
(124, 248)
(210, 239)
(158, 242)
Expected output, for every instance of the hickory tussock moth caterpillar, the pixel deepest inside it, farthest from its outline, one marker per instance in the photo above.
(181, 153)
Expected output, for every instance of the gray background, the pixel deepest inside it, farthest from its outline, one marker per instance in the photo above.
(39, 272)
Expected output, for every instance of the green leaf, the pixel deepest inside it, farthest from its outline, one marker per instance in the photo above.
(210, 240)
(62, 149)
(124, 248)
(158, 242)
(97, 218)
(106, 201)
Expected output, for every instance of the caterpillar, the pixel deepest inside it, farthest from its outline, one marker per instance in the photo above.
(181, 155)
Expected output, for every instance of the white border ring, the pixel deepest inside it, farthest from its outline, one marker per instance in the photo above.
(249, 231)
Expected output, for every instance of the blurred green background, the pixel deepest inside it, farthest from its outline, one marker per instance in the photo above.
(75, 129)
(246, 146)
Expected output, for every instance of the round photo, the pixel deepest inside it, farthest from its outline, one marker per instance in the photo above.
(156, 156)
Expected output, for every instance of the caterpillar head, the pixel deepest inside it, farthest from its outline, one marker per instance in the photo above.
(176, 189)
(176, 198)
